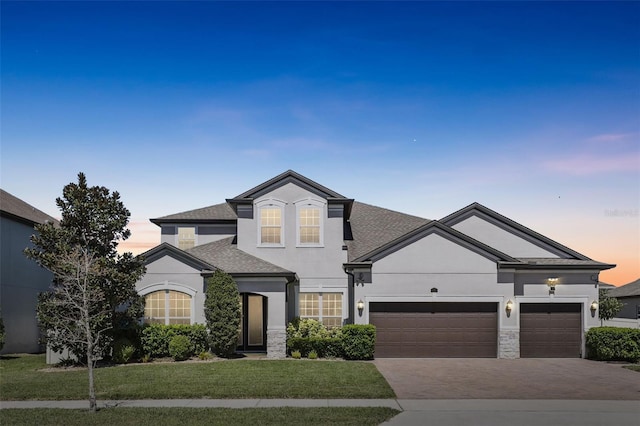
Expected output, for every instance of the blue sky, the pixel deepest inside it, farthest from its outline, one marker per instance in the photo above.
(532, 109)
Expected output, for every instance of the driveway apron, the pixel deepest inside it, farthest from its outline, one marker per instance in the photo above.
(463, 378)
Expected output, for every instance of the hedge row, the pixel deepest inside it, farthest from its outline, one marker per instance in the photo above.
(156, 339)
(355, 342)
(613, 344)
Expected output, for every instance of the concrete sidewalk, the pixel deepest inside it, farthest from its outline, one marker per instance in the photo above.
(208, 403)
(441, 412)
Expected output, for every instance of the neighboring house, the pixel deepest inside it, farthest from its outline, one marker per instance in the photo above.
(605, 286)
(473, 284)
(629, 295)
(21, 279)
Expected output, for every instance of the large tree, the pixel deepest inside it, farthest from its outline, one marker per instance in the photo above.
(93, 291)
(222, 310)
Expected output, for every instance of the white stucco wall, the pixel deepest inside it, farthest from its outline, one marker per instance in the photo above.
(500, 239)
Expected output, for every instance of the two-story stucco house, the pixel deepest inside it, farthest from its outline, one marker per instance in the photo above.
(473, 284)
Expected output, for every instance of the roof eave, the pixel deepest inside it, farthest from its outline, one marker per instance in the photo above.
(542, 266)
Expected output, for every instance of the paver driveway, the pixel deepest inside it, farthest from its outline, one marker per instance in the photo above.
(456, 378)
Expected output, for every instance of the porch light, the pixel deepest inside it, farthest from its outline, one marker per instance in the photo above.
(360, 306)
(594, 306)
(509, 307)
(551, 282)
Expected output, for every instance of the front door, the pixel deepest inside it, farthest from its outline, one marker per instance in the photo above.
(253, 325)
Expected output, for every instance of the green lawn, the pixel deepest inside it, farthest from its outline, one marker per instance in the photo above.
(199, 416)
(633, 367)
(22, 378)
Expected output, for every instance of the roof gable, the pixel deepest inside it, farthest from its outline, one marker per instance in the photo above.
(290, 177)
(544, 244)
(166, 249)
(435, 227)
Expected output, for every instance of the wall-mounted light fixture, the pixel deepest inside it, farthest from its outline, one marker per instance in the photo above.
(360, 306)
(552, 282)
(509, 307)
(594, 306)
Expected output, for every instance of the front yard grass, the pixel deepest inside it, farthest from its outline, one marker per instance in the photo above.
(198, 416)
(634, 367)
(22, 378)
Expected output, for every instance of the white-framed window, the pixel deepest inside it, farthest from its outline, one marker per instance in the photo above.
(270, 223)
(186, 237)
(310, 223)
(323, 307)
(167, 307)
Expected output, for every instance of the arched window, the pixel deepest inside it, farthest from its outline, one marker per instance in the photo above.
(167, 307)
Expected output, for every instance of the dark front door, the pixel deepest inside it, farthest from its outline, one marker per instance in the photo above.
(253, 326)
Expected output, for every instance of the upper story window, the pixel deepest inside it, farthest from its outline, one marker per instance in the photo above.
(186, 237)
(310, 223)
(271, 223)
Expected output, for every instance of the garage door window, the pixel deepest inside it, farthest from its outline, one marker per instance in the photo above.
(323, 307)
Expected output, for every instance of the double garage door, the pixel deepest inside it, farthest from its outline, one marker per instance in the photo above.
(435, 330)
(470, 330)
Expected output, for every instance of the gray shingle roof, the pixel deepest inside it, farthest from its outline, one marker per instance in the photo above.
(16, 207)
(372, 227)
(225, 255)
(220, 211)
(627, 290)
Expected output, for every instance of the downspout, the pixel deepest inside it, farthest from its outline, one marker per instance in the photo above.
(350, 296)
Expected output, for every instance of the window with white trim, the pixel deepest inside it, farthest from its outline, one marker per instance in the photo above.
(310, 223)
(271, 224)
(167, 307)
(323, 307)
(186, 237)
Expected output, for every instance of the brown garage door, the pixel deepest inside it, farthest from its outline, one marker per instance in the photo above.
(435, 330)
(550, 330)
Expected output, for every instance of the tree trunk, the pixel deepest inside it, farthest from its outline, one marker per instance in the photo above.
(93, 406)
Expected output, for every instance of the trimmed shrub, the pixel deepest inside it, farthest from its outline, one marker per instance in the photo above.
(613, 344)
(222, 310)
(123, 351)
(329, 347)
(180, 348)
(312, 355)
(296, 355)
(358, 341)
(156, 338)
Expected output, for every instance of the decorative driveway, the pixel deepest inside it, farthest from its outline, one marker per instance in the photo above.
(464, 378)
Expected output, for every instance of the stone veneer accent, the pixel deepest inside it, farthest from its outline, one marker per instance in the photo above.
(509, 344)
(276, 343)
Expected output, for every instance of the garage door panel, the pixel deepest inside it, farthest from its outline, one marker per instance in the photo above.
(550, 330)
(435, 330)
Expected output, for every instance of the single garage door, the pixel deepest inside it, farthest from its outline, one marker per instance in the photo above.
(435, 330)
(550, 330)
